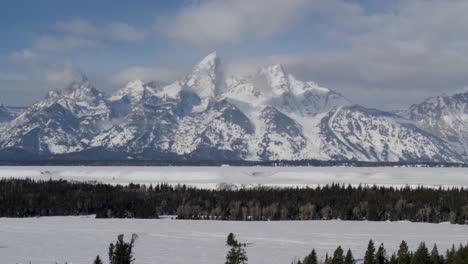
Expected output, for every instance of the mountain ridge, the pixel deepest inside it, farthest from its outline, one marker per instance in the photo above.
(268, 115)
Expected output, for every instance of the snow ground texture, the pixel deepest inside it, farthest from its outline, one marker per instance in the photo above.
(79, 239)
(211, 177)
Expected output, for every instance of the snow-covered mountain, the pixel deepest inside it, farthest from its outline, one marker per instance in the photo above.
(446, 117)
(267, 115)
(360, 133)
(63, 122)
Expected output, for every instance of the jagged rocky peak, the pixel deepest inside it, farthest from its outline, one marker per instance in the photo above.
(133, 91)
(205, 76)
(436, 107)
(444, 116)
(276, 78)
(281, 82)
(81, 90)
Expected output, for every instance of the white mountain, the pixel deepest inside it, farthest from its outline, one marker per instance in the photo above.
(267, 115)
(63, 122)
(445, 117)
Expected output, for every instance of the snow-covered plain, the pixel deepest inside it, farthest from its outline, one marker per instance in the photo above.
(211, 177)
(80, 239)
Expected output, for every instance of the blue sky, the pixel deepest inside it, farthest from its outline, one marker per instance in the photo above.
(385, 54)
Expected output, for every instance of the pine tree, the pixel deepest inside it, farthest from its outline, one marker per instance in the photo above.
(349, 259)
(393, 259)
(421, 256)
(237, 254)
(231, 240)
(403, 255)
(98, 260)
(450, 254)
(381, 255)
(338, 257)
(122, 252)
(461, 255)
(311, 258)
(369, 257)
(435, 256)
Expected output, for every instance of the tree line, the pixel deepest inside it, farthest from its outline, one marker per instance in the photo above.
(379, 255)
(122, 253)
(105, 159)
(28, 198)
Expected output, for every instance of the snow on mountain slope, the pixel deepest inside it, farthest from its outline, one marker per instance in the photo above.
(61, 123)
(282, 137)
(149, 126)
(154, 113)
(358, 133)
(267, 115)
(272, 86)
(221, 130)
(204, 80)
(446, 117)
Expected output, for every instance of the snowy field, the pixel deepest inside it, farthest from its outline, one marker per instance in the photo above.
(80, 239)
(210, 177)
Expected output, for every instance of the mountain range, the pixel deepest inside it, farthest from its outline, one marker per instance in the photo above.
(267, 115)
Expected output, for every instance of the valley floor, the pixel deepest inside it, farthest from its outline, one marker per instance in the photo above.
(211, 177)
(80, 239)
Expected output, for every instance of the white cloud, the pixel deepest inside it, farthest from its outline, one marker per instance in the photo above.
(416, 49)
(226, 21)
(411, 50)
(77, 27)
(145, 74)
(61, 75)
(124, 32)
(79, 33)
(24, 54)
(63, 43)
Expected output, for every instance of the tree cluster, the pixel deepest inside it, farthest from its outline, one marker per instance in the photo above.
(27, 198)
(402, 256)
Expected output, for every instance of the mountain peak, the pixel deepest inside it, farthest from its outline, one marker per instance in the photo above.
(80, 83)
(81, 90)
(276, 78)
(274, 68)
(204, 78)
(210, 62)
(134, 91)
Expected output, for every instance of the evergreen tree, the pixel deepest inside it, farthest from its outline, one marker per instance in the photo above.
(403, 254)
(381, 255)
(349, 259)
(421, 256)
(236, 254)
(369, 257)
(435, 256)
(450, 254)
(338, 257)
(461, 255)
(393, 259)
(122, 252)
(231, 240)
(97, 260)
(311, 258)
